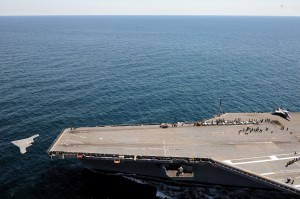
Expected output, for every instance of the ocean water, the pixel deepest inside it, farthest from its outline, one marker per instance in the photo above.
(72, 71)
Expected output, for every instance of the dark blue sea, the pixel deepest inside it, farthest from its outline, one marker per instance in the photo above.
(73, 71)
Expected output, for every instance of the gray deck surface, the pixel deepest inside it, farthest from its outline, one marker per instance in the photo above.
(263, 153)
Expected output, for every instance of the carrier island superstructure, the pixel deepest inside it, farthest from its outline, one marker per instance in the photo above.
(255, 150)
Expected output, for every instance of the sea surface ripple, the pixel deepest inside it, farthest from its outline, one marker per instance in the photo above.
(72, 71)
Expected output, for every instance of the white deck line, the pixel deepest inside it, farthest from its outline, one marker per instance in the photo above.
(265, 174)
(164, 147)
(273, 157)
(264, 156)
(227, 161)
(80, 136)
(259, 161)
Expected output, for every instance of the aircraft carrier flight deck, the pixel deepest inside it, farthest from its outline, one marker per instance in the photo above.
(236, 149)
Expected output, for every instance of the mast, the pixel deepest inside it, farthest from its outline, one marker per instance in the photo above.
(220, 106)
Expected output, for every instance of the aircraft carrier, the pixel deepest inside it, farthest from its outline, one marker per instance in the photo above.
(255, 150)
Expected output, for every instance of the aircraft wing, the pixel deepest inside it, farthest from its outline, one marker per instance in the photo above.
(24, 143)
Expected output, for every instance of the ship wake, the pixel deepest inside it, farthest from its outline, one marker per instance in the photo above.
(168, 190)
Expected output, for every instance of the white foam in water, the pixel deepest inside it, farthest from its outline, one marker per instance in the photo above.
(135, 180)
(165, 190)
(24, 143)
(162, 195)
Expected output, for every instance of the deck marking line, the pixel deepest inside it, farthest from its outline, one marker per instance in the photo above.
(265, 174)
(165, 150)
(80, 136)
(227, 161)
(258, 161)
(263, 156)
(273, 157)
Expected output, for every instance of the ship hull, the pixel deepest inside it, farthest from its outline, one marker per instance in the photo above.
(204, 173)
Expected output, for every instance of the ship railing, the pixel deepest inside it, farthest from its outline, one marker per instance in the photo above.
(134, 157)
